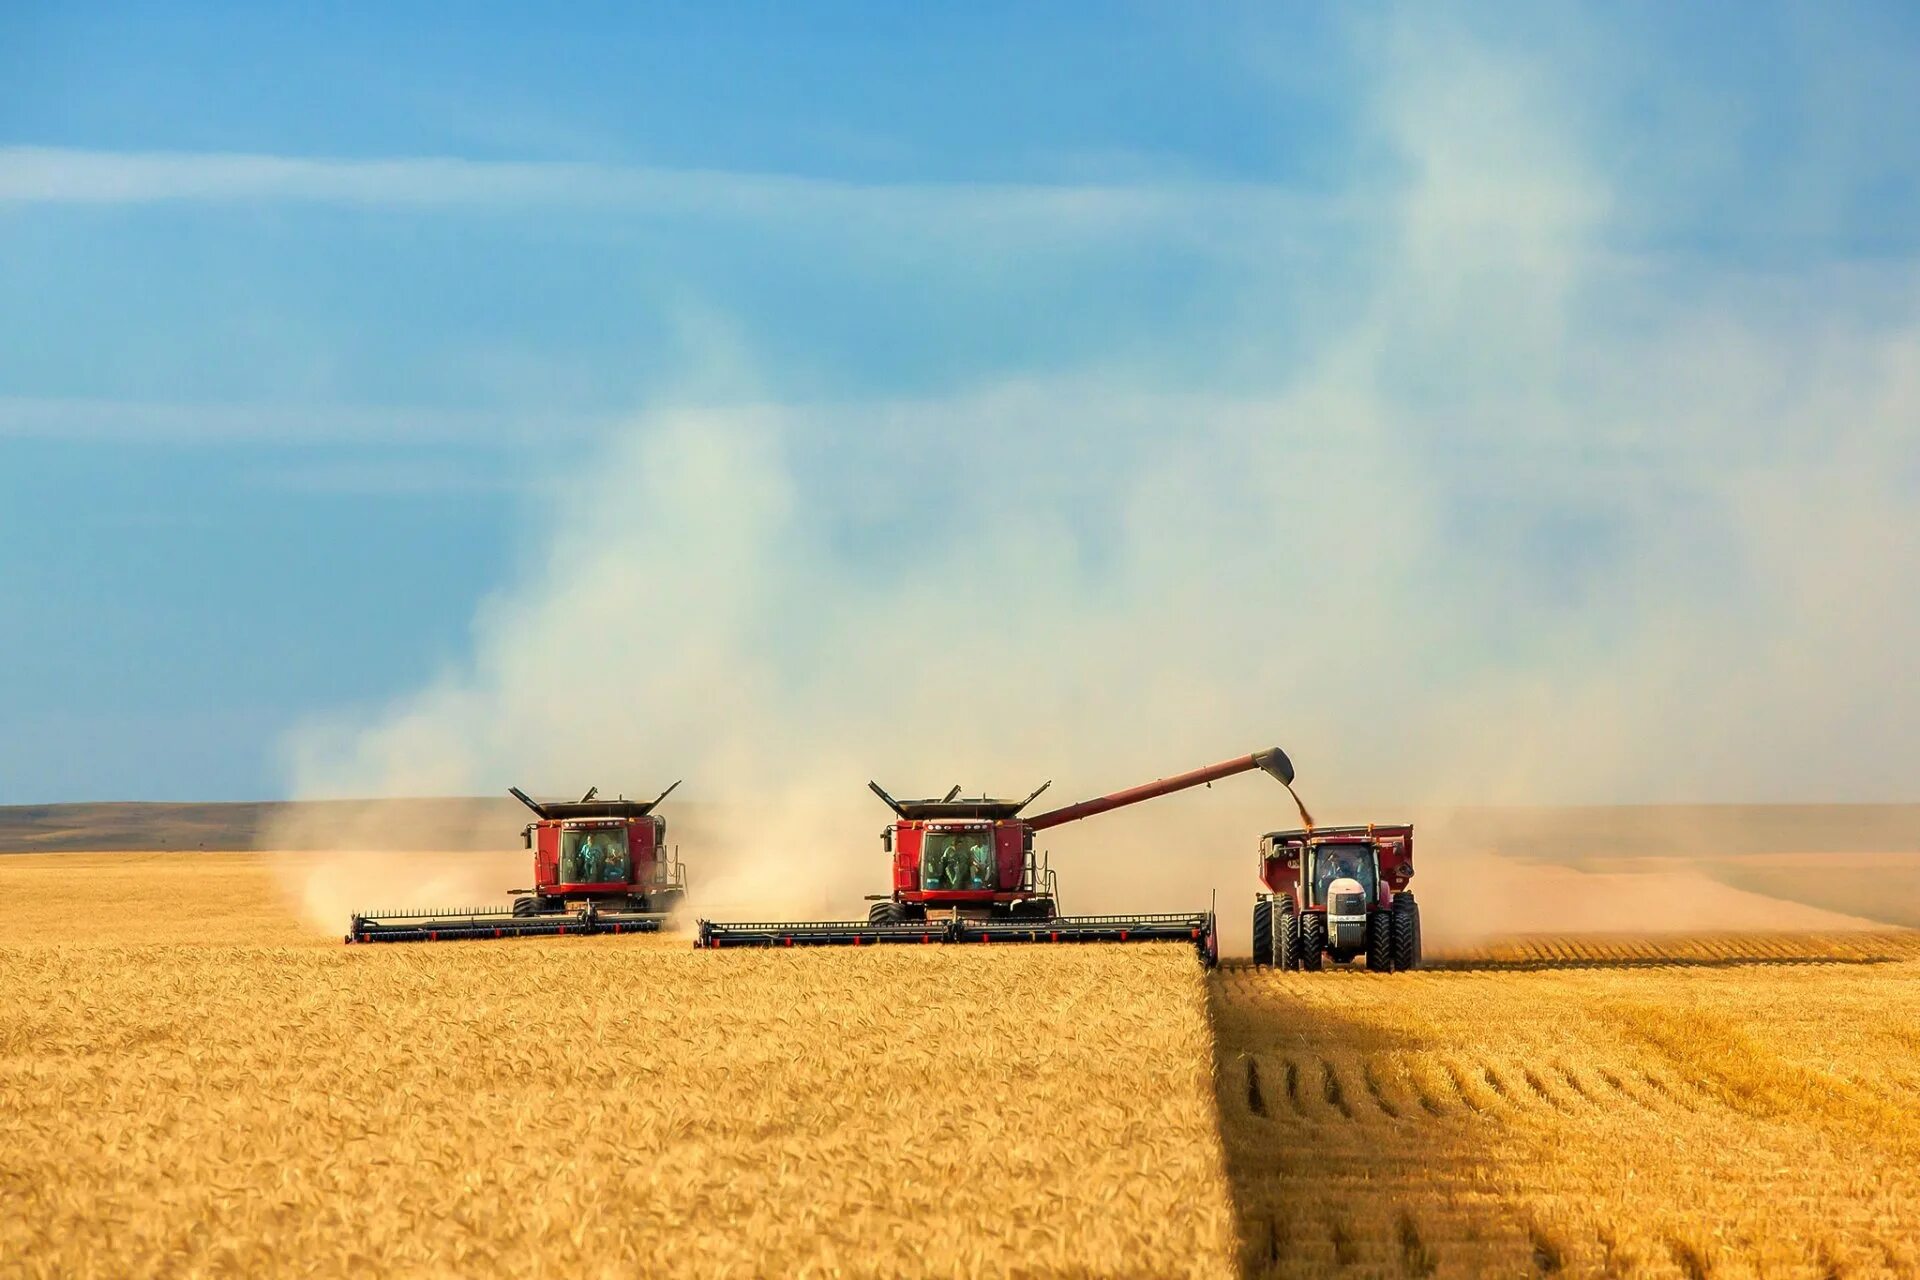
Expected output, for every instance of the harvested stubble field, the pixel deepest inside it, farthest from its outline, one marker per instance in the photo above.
(200, 1087)
(1737, 1106)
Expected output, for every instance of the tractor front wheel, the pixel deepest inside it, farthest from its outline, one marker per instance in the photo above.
(1313, 940)
(1262, 932)
(1380, 941)
(526, 906)
(888, 912)
(1406, 932)
(1286, 935)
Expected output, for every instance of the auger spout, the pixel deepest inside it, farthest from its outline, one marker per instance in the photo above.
(1273, 761)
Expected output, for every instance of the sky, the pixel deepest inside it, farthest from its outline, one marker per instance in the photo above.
(1511, 402)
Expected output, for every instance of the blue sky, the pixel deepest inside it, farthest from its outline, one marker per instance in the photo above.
(312, 327)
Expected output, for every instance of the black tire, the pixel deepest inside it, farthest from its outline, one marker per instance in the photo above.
(1406, 932)
(887, 912)
(1313, 940)
(1380, 941)
(1286, 935)
(524, 907)
(1262, 932)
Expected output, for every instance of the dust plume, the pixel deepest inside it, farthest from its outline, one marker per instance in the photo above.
(1534, 517)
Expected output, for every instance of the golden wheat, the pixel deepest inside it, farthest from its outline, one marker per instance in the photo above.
(588, 1107)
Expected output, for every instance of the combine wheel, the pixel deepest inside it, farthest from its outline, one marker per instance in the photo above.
(1286, 935)
(526, 906)
(1313, 940)
(1262, 931)
(1406, 932)
(888, 912)
(1380, 941)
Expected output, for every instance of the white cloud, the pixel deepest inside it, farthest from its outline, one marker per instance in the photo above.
(53, 175)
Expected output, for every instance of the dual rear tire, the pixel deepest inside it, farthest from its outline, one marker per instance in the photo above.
(1405, 931)
(1276, 933)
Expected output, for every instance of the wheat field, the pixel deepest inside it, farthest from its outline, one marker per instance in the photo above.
(191, 1083)
(223, 1094)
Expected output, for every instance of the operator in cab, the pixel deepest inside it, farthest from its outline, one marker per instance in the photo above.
(979, 864)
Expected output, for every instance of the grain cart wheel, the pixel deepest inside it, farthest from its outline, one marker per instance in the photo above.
(1406, 931)
(1313, 940)
(1286, 935)
(523, 907)
(1262, 932)
(887, 912)
(1380, 941)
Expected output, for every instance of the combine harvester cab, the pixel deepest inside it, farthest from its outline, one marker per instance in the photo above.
(599, 866)
(1338, 892)
(964, 870)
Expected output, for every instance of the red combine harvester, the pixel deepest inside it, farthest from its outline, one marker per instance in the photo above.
(1339, 892)
(964, 871)
(599, 866)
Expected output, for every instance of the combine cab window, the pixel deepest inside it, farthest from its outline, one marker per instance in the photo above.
(594, 856)
(957, 860)
(1342, 862)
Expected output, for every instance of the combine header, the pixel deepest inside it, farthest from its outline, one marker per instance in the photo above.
(1337, 892)
(964, 871)
(599, 866)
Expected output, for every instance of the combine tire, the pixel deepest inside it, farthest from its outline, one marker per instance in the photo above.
(1406, 932)
(1380, 941)
(1286, 935)
(888, 912)
(1313, 940)
(1263, 932)
(523, 907)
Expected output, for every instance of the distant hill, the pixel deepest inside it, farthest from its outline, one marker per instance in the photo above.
(456, 822)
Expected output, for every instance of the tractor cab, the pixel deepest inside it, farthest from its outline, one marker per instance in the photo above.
(609, 852)
(1373, 861)
(956, 858)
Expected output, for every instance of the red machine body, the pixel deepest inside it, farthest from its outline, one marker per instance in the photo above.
(599, 866)
(599, 857)
(1339, 892)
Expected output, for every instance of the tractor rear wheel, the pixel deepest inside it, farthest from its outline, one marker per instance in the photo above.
(1380, 941)
(1262, 932)
(1286, 935)
(1406, 931)
(1313, 940)
(887, 912)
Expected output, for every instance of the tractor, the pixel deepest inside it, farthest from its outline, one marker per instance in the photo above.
(1339, 893)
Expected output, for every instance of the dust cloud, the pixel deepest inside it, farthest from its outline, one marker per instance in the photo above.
(1515, 527)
